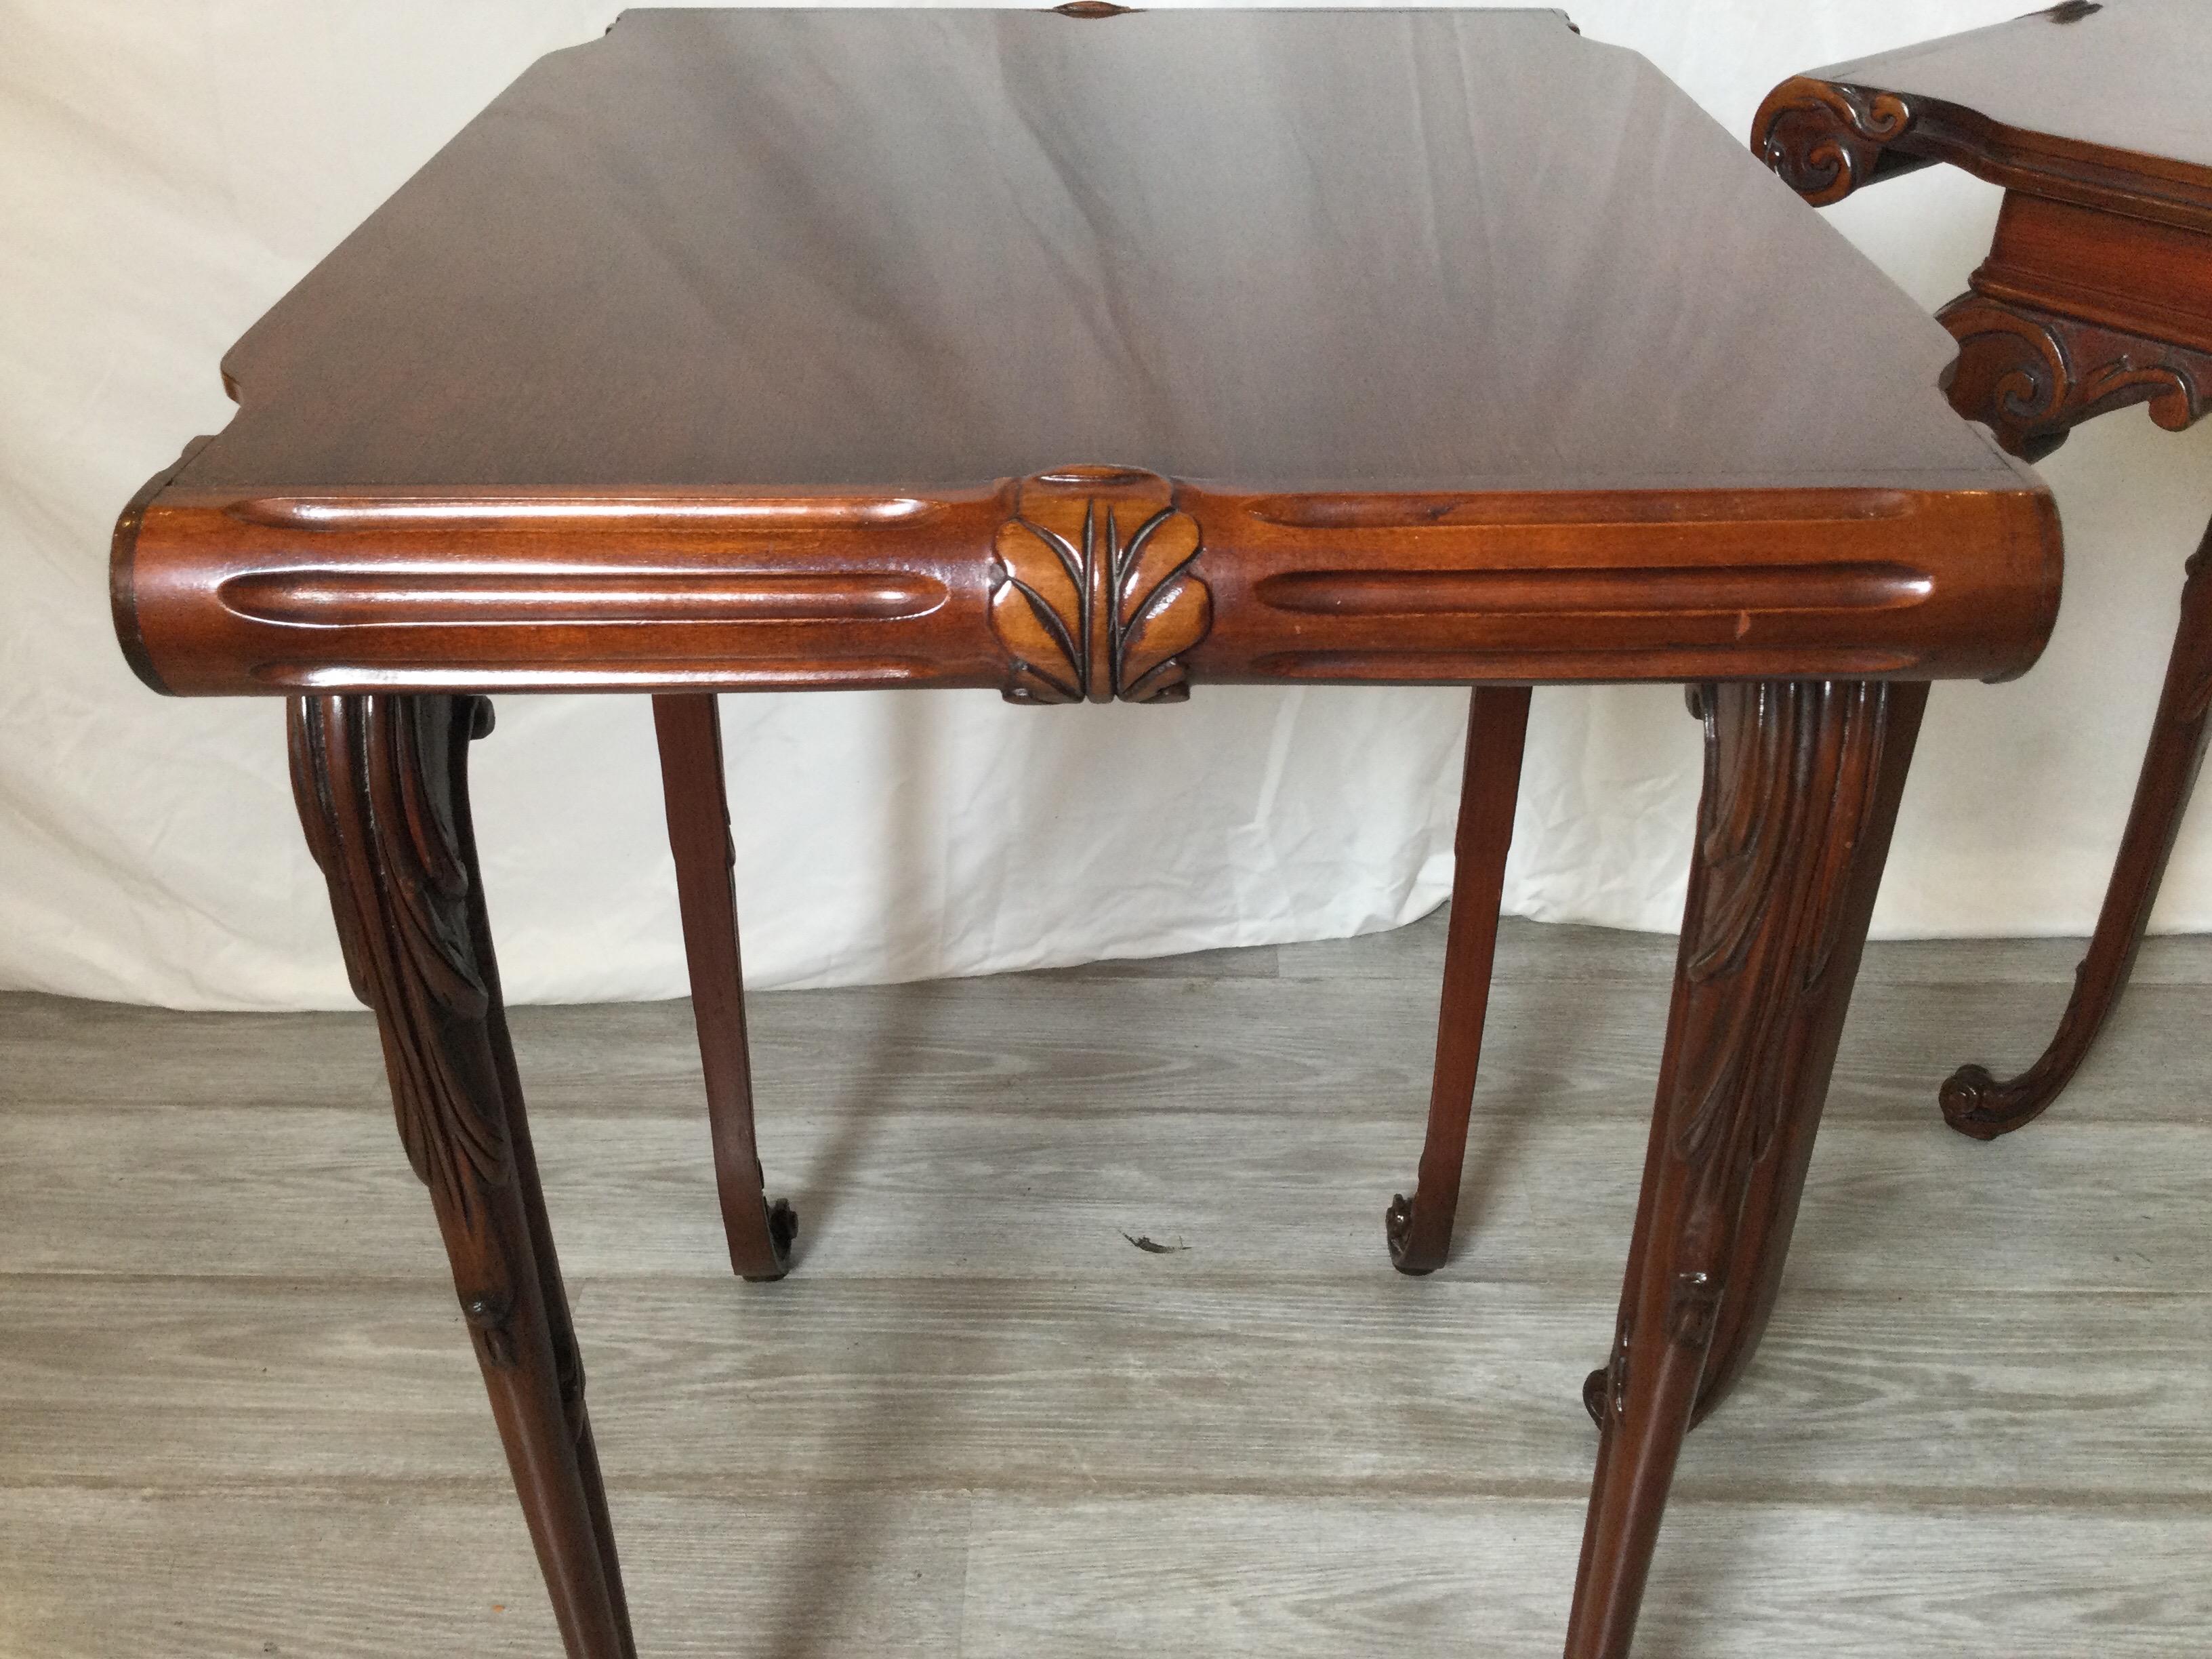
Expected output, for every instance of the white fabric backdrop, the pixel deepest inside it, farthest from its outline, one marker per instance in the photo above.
(174, 165)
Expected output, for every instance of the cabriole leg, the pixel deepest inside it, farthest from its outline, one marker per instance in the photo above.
(1978, 1104)
(1801, 785)
(690, 728)
(1419, 1229)
(381, 783)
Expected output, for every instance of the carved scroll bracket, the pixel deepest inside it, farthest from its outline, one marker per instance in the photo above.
(2034, 375)
(1826, 140)
(1095, 593)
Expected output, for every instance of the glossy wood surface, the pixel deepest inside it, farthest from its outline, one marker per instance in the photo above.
(689, 731)
(2122, 76)
(1091, 358)
(381, 785)
(1802, 782)
(2096, 296)
(1976, 1101)
(1471, 349)
(650, 591)
(2090, 103)
(1456, 250)
(1419, 1226)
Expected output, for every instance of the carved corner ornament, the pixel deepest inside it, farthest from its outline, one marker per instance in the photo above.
(2034, 375)
(1095, 591)
(1826, 139)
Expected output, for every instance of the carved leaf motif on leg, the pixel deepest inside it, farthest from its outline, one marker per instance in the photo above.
(372, 780)
(1766, 940)
(1097, 595)
(382, 788)
(1792, 771)
(1801, 785)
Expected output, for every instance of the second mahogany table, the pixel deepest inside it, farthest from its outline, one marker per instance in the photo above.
(1098, 356)
(2097, 296)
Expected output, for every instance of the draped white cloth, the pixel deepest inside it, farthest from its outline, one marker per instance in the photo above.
(173, 168)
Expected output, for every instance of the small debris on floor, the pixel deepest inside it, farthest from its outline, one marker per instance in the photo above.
(1153, 1246)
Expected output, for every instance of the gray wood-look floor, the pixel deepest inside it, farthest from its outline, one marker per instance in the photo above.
(238, 1414)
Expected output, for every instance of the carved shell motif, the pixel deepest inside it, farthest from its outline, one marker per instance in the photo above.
(1096, 594)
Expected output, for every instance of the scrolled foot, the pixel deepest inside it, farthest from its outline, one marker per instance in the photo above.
(1981, 1107)
(1407, 1254)
(1597, 1395)
(782, 1230)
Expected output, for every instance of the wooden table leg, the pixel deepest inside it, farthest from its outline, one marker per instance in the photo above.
(381, 783)
(1978, 1104)
(690, 728)
(1419, 1229)
(1801, 786)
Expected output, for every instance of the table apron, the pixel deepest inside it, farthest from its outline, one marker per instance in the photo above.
(1089, 583)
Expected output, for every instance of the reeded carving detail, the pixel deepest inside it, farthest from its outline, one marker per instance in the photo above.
(1095, 591)
(2032, 375)
(375, 780)
(1791, 818)
(1778, 824)
(1792, 774)
(1825, 139)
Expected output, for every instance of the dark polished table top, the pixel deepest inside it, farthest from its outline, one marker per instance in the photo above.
(2121, 75)
(746, 349)
(1089, 358)
(1462, 249)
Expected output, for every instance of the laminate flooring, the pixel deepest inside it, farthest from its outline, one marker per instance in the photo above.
(238, 1415)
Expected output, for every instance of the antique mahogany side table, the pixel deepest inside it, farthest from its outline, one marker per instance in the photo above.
(1093, 356)
(2097, 294)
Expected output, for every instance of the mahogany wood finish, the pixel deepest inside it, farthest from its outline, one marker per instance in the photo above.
(1083, 358)
(2032, 376)
(382, 787)
(2096, 295)
(1094, 593)
(406, 590)
(689, 729)
(1419, 1228)
(1976, 1102)
(1770, 944)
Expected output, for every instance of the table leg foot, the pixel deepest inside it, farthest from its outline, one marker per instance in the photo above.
(1399, 1233)
(1597, 1395)
(381, 783)
(1975, 1102)
(1419, 1229)
(1801, 785)
(689, 729)
(782, 1225)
